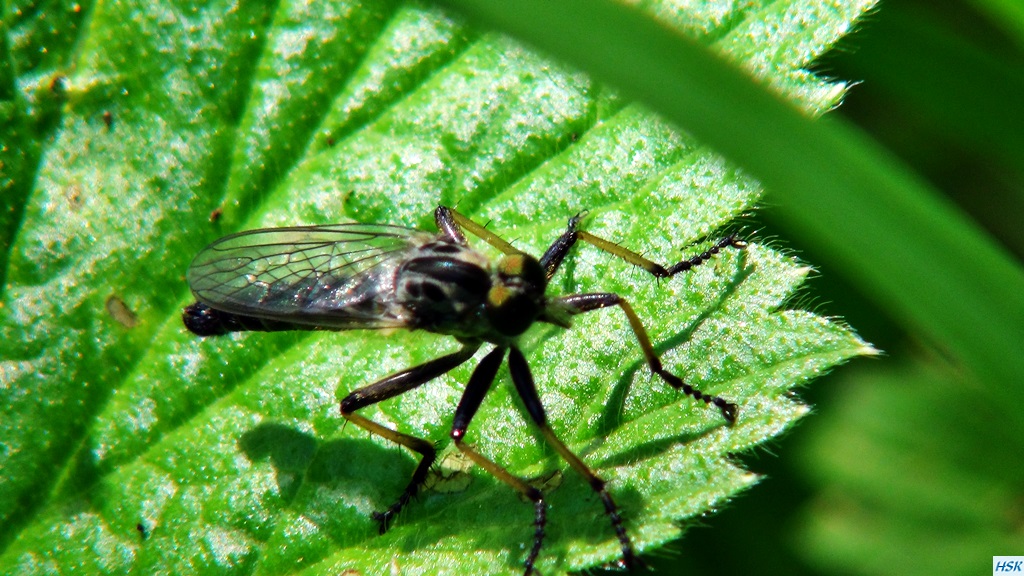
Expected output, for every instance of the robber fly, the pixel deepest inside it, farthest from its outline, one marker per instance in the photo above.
(357, 276)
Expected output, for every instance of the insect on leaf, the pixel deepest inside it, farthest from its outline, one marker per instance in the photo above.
(134, 447)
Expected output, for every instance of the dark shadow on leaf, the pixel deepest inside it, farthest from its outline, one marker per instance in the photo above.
(357, 464)
(288, 449)
(298, 456)
(654, 447)
(359, 460)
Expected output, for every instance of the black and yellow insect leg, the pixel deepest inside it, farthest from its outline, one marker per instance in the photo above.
(390, 387)
(580, 303)
(523, 380)
(479, 384)
(554, 255)
(452, 223)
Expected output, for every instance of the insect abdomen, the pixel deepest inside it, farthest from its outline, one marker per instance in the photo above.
(202, 320)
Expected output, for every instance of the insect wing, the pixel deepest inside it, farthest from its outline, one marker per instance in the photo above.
(334, 276)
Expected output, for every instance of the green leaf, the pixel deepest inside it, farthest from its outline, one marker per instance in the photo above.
(130, 446)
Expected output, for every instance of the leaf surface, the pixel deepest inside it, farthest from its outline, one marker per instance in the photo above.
(131, 446)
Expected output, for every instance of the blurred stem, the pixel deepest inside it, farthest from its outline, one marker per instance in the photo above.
(893, 237)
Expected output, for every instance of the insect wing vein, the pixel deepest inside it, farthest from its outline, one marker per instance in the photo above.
(334, 276)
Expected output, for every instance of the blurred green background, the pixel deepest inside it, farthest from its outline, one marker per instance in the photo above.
(906, 468)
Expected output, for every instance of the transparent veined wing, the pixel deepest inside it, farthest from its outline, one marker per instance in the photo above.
(336, 276)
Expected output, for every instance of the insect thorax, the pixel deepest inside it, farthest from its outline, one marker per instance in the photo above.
(452, 289)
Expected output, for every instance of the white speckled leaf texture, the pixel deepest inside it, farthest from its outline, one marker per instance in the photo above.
(147, 130)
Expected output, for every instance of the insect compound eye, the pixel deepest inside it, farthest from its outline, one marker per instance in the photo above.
(516, 300)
